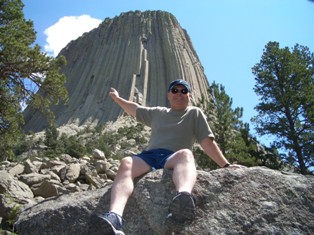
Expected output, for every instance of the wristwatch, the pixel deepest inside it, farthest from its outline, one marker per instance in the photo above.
(227, 165)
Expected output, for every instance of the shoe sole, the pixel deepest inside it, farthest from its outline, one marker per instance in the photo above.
(182, 208)
(101, 226)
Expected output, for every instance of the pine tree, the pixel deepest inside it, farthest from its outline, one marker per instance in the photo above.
(285, 84)
(231, 134)
(223, 120)
(23, 70)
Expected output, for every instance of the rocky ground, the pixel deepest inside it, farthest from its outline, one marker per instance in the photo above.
(42, 195)
(23, 185)
(34, 178)
(254, 200)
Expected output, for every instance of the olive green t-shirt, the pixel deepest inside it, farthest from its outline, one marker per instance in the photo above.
(174, 130)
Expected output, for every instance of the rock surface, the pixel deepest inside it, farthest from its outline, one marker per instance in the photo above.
(138, 53)
(248, 201)
(52, 177)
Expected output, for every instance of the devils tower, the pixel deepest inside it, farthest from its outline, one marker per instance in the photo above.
(138, 53)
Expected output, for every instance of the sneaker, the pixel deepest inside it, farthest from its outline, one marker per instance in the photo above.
(182, 208)
(107, 224)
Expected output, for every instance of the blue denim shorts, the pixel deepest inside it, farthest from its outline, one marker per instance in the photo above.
(155, 158)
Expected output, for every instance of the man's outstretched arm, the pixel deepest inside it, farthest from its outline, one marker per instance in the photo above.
(128, 106)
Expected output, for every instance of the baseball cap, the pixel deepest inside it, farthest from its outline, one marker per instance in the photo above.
(179, 82)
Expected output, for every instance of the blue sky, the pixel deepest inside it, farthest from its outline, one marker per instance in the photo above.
(228, 35)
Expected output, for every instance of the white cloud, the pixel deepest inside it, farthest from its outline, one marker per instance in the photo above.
(66, 29)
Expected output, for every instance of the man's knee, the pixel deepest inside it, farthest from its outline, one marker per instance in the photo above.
(181, 157)
(185, 155)
(126, 164)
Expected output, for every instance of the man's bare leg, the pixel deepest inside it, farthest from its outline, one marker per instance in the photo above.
(122, 188)
(184, 171)
(123, 185)
(182, 207)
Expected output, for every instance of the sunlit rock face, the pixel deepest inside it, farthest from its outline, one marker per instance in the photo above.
(138, 53)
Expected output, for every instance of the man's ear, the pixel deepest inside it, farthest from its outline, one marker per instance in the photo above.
(168, 93)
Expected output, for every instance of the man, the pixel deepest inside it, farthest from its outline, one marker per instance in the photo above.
(174, 130)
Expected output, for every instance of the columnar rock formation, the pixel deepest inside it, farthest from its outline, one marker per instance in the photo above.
(138, 53)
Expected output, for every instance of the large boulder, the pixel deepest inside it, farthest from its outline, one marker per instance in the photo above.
(12, 192)
(13, 188)
(244, 201)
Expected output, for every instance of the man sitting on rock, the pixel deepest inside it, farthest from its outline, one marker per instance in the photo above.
(174, 130)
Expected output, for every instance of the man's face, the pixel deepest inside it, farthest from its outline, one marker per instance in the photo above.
(179, 97)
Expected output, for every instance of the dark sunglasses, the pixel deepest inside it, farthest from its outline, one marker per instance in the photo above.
(183, 91)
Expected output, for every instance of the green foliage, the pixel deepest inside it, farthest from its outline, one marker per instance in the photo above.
(74, 146)
(231, 134)
(133, 132)
(108, 140)
(103, 142)
(51, 137)
(224, 120)
(285, 85)
(23, 70)
(24, 145)
(78, 146)
(15, 209)
(272, 159)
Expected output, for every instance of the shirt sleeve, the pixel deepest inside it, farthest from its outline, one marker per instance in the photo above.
(145, 115)
(203, 129)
